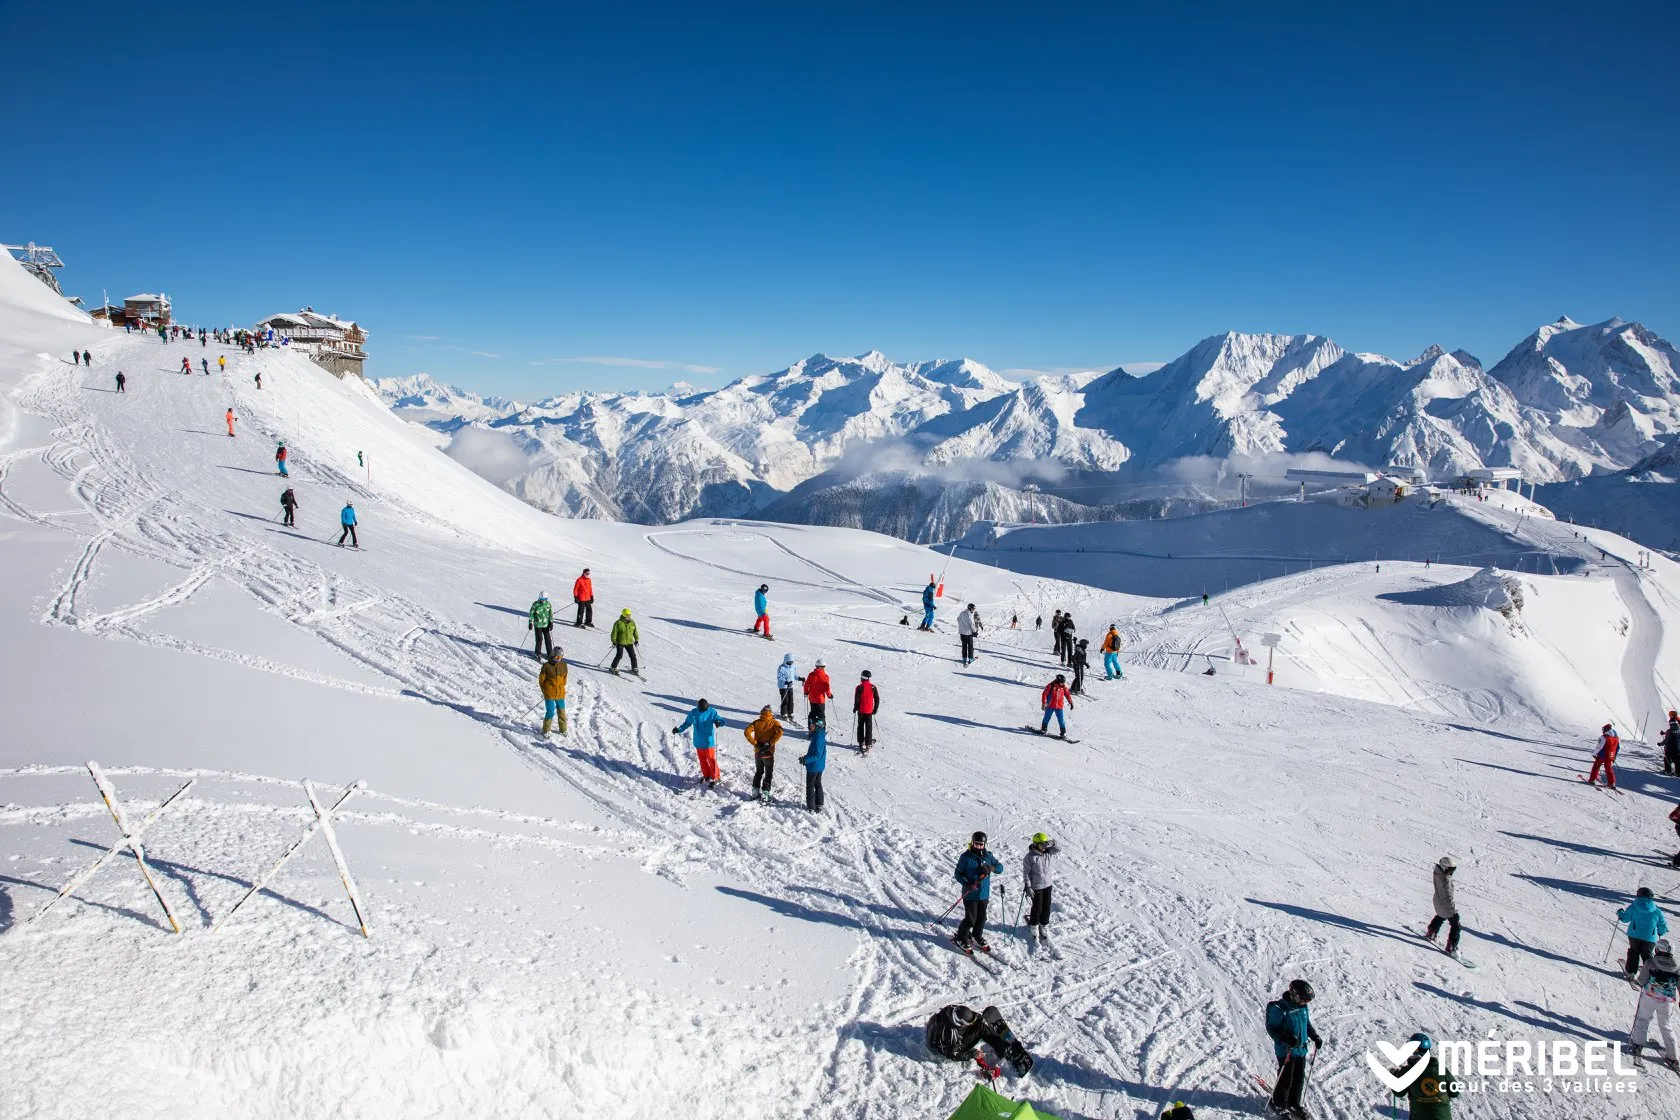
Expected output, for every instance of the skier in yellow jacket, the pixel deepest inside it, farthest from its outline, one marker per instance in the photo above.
(763, 733)
(552, 681)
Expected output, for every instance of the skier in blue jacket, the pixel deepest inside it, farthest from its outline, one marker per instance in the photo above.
(347, 518)
(761, 610)
(815, 759)
(1290, 1024)
(1646, 925)
(928, 593)
(705, 721)
(974, 872)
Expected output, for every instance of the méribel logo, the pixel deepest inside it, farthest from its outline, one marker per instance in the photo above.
(1396, 1057)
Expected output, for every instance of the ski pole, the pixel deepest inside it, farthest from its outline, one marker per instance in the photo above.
(1022, 905)
(1615, 929)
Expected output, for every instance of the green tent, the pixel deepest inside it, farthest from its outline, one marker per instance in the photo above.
(983, 1104)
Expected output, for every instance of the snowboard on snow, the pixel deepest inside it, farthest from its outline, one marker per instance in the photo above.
(1047, 735)
(1459, 957)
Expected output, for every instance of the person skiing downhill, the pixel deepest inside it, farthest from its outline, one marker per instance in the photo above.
(624, 638)
(347, 518)
(541, 623)
(815, 760)
(289, 506)
(583, 594)
(968, 628)
(1289, 1024)
(280, 461)
(705, 721)
(552, 681)
(230, 419)
(786, 678)
(1658, 982)
(204, 363)
(1646, 926)
(818, 692)
(866, 701)
(929, 593)
(1037, 881)
(1671, 744)
(1054, 698)
(764, 733)
(1446, 904)
(1430, 1095)
(1111, 654)
(1608, 744)
(122, 382)
(761, 610)
(974, 872)
(1079, 661)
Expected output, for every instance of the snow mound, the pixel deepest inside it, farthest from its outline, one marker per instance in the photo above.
(1489, 589)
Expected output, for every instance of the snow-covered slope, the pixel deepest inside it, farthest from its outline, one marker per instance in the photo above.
(571, 926)
(1641, 503)
(1567, 401)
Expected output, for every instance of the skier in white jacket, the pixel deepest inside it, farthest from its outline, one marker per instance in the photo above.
(1658, 983)
(1035, 868)
(786, 676)
(968, 626)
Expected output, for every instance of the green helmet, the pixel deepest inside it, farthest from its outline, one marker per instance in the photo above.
(1040, 838)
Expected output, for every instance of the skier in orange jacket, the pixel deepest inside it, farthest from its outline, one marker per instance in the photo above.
(230, 420)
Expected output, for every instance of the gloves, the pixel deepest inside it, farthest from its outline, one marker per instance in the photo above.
(676, 731)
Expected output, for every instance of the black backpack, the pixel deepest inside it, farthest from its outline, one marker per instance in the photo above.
(946, 1029)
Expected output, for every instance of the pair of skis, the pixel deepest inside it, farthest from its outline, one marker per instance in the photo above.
(1607, 789)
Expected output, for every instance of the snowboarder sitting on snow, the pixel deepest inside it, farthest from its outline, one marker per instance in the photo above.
(1035, 871)
(1430, 1096)
(542, 623)
(552, 681)
(786, 678)
(1054, 698)
(761, 609)
(289, 505)
(1079, 661)
(818, 692)
(955, 1031)
(1659, 984)
(1446, 905)
(866, 701)
(624, 639)
(928, 594)
(764, 733)
(815, 760)
(1290, 1025)
(974, 872)
(1646, 925)
(705, 721)
(1671, 745)
(1608, 744)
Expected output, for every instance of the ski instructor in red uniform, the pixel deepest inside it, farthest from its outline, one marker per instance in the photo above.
(583, 594)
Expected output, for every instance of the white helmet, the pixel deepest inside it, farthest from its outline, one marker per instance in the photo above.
(1446, 863)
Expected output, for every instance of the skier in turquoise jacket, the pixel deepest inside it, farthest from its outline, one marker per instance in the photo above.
(1646, 925)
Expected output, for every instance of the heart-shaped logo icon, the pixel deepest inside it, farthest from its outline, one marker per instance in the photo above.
(1395, 1057)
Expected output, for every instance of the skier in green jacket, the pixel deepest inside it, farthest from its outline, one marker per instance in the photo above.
(1430, 1097)
(624, 639)
(542, 623)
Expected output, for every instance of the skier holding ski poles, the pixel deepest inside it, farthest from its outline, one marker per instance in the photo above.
(1659, 984)
(929, 593)
(866, 701)
(552, 681)
(1646, 926)
(1037, 884)
(764, 733)
(625, 638)
(541, 623)
(1671, 745)
(1289, 1024)
(818, 692)
(786, 678)
(974, 872)
(1608, 744)
(705, 721)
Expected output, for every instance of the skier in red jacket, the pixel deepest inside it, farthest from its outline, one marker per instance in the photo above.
(1608, 744)
(818, 693)
(1055, 698)
(866, 701)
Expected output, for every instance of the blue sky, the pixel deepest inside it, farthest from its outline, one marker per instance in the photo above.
(565, 196)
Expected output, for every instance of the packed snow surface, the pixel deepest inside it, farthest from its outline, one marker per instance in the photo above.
(571, 926)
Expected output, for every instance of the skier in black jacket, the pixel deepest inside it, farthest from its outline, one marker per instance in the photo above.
(1671, 745)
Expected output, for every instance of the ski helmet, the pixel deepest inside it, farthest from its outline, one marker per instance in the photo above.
(866, 674)
(1607, 727)
(764, 587)
(1664, 947)
(554, 655)
(977, 840)
(541, 596)
(1300, 991)
(819, 663)
(702, 705)
(1040, 838)
(765, 711)
(1061, 678)
(787, 659)
(1447, 863)
(625, 613)
(1425, 1043)
(1644, 892)
(971, 606)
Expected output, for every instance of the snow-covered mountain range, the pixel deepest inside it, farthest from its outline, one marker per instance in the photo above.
(925, 449)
